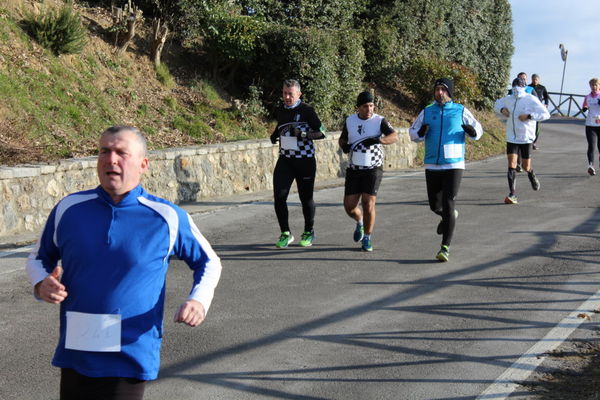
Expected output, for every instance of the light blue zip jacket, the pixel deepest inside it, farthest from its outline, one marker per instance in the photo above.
(445, 139)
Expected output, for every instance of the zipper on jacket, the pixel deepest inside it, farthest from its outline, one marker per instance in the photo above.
(441, 133)
(513, 119)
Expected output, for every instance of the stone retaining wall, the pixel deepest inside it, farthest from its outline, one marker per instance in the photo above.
(180, 175)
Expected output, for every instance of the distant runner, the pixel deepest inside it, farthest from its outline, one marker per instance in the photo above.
(542, 94)
(591, 103)
(522, 110)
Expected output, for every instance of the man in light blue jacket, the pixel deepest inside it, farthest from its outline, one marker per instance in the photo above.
(443, 125)
(522, 110)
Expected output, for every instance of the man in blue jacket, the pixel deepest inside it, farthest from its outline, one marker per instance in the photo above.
(114, 243)
(443, 126)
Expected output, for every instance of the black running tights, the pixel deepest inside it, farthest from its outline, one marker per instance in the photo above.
(303, 170)
(74, 386)
(442, 188)
(592, 133)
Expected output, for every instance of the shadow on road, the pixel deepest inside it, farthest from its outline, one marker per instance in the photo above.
(556, 283)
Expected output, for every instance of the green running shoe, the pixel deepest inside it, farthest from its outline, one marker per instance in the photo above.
(307, 238)
(284, 240)
(444, 254)
(366, 244)
(359, 232)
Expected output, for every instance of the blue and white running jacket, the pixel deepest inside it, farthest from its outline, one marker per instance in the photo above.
(115, 259)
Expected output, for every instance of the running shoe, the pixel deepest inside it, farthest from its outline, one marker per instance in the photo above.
(366, 244)
(519, 168)
(591, 171)
(534, 146)
(535, 183)
(359, 232)
(307, 239)
(440, 227)
(444, 254)
(511, 199)
(284, 240)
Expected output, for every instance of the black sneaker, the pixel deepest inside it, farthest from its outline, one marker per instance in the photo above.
(519, 168)
(535, 183)
(591, 171)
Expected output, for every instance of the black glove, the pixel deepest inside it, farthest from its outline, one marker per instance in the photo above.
(345, 148)
(469, 130)
(295, 131)
(274, 137)
(371, 141)
(423, 130)
(584, 109)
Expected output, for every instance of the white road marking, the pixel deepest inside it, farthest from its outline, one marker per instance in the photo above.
(508, 382)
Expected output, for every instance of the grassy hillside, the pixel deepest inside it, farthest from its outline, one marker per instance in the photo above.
(54, 107)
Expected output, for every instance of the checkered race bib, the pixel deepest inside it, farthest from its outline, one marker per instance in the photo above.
(292, 147)
(366, 157)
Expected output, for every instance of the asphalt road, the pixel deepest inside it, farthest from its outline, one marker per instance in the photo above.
(332, 322)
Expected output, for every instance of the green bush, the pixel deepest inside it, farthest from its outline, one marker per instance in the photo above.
(328, 65)
(350, 60)
(164, 76)
(422, 72)
(60, 31)
(383, 43)
(307, 55)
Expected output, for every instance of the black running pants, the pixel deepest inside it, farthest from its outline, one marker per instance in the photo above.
(592, 133)
(74, 386)
(303, 170)
(442, 189)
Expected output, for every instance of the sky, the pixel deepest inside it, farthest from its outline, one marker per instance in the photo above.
(540, 26)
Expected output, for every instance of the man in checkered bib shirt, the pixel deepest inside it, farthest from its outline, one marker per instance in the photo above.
(363, 137)
(297, 126)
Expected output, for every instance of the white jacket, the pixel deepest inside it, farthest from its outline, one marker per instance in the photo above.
(518, 131)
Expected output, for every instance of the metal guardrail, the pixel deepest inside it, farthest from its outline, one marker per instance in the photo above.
(568, 99)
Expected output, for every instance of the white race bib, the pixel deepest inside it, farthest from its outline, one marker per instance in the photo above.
(361, 159)
(289, 142)
(453, 150)
(93, 332)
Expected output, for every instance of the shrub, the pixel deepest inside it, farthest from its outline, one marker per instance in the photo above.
(382, 43)
(422, 72)
(328, 65)
(307, 55)
(350, 73)
(60, 31)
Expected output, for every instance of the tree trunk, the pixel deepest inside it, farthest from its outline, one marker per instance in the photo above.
(131, 22)
(159, 37)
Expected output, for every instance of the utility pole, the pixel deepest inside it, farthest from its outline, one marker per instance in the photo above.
(563, 54)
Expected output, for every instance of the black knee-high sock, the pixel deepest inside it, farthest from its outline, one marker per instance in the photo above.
(512, 177)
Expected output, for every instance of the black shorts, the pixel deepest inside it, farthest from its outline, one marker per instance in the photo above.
(523, 149)
(363, 181)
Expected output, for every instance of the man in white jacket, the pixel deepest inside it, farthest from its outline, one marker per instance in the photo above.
(522, 111)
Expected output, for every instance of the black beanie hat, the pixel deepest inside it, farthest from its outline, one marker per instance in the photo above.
(519, 82)
(447, 83)
(364, 97)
